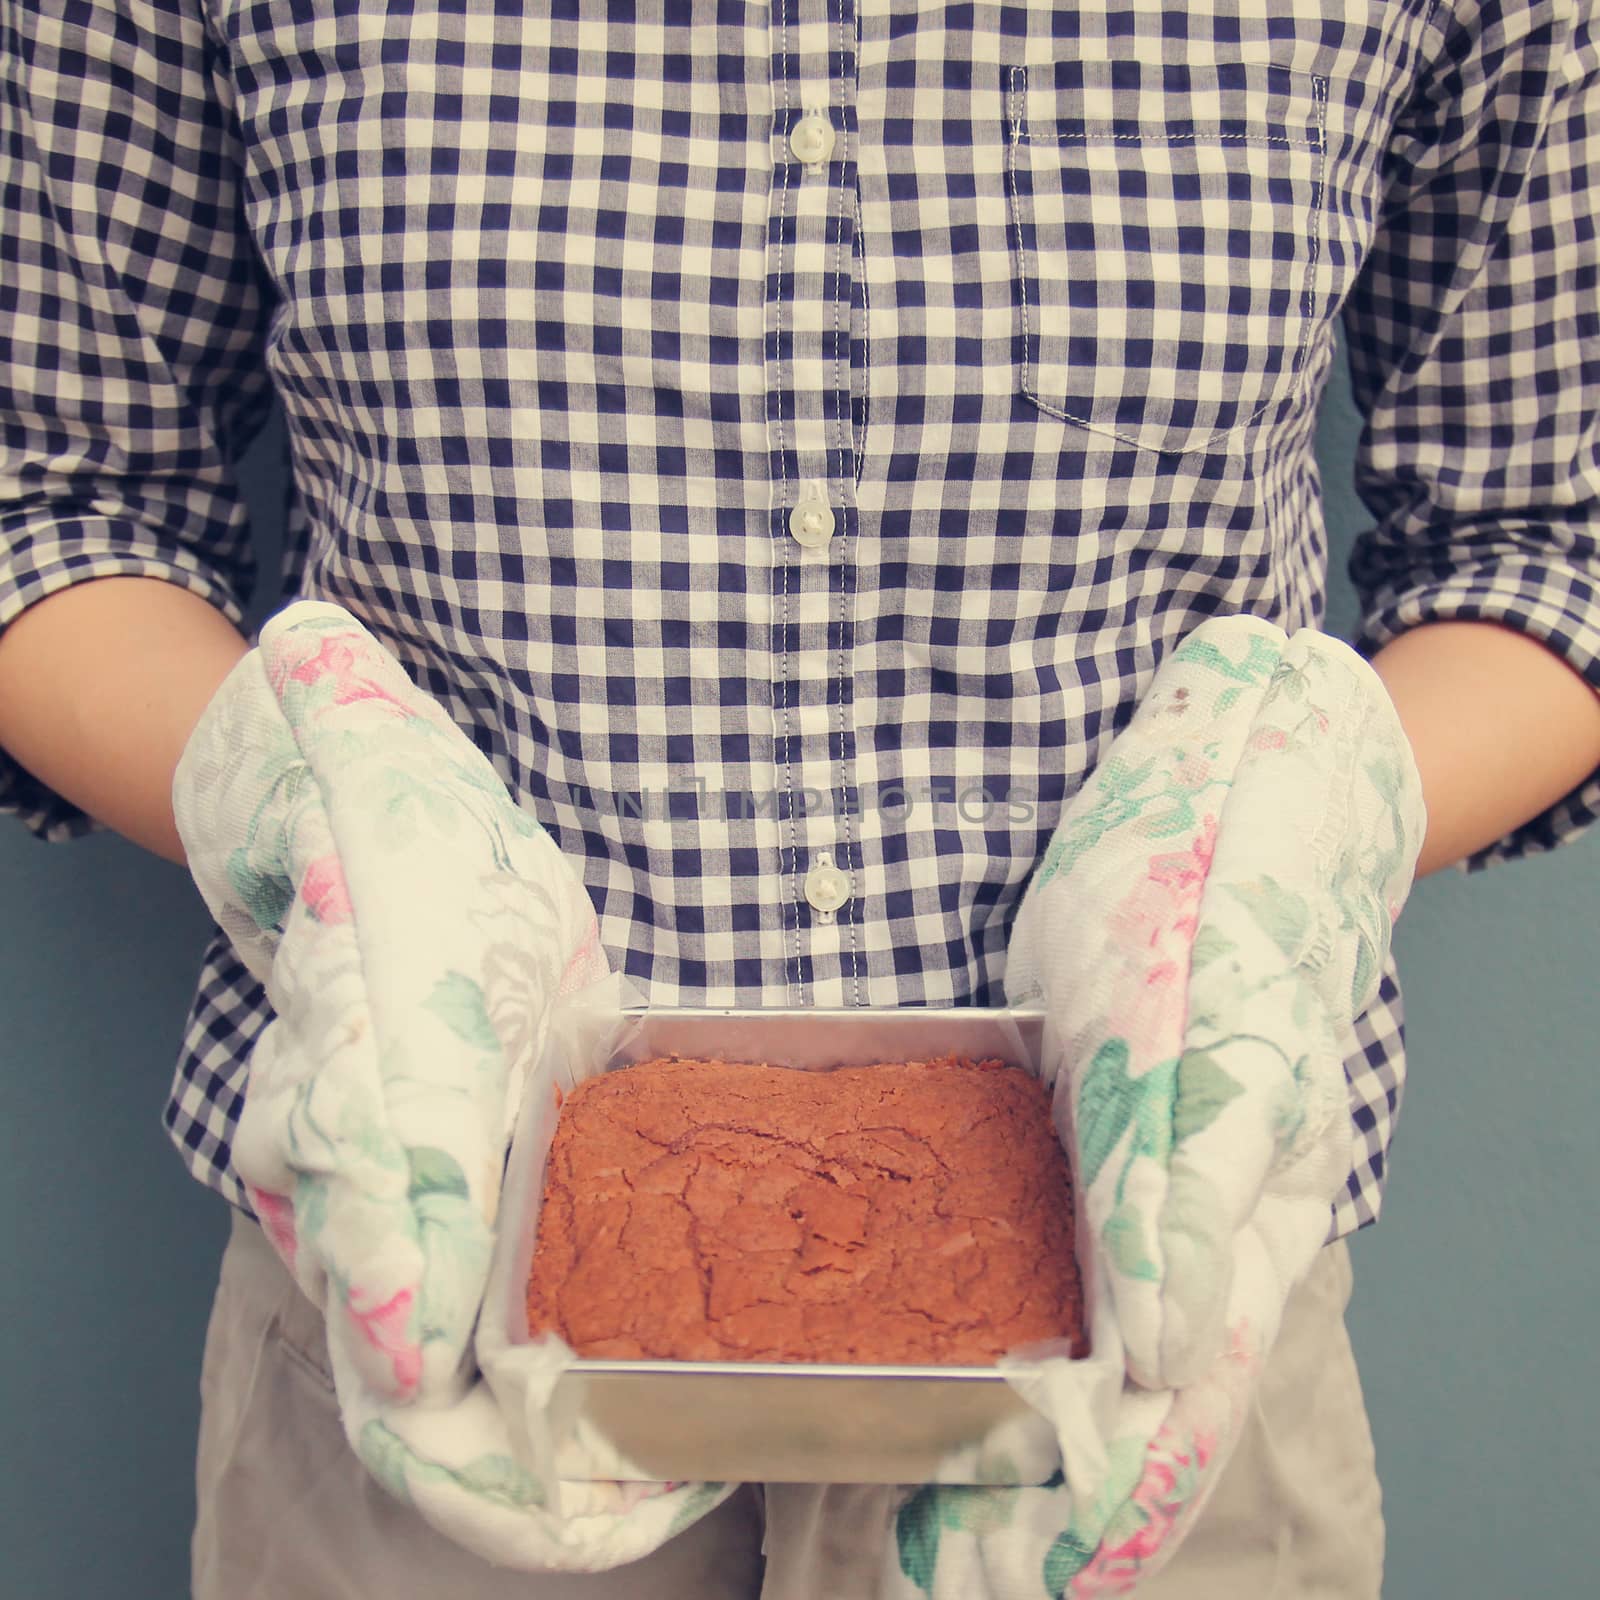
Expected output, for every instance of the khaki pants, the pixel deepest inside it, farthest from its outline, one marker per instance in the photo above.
(287, 1512)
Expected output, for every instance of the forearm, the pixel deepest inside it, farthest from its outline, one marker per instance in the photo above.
(100, 687)
(1500, 725)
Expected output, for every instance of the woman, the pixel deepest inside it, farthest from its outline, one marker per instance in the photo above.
(819, 399)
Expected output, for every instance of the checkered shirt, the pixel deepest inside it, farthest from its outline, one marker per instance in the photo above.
(789, 436)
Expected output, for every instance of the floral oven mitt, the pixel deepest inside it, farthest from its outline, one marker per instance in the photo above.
(1211, 916)
(413, 929)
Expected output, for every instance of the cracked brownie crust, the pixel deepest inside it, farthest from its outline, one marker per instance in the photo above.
(914, 1213)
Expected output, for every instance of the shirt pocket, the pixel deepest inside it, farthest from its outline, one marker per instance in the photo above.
(1166, 224)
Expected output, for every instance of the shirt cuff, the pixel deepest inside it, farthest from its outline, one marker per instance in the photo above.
(1558, 606)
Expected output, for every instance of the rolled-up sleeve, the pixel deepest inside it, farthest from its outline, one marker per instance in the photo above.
(1474, 340)
(132, 317)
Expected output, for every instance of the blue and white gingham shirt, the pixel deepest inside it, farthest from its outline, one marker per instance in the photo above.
(771, 427)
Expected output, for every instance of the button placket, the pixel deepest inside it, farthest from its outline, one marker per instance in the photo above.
(811, 260)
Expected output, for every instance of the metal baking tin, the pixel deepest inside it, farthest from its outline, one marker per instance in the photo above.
(780, 1422)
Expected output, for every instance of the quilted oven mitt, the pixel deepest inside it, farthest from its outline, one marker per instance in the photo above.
(412, 927)
(1211, 916)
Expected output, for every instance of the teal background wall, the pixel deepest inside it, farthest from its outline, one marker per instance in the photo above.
(1475, 1304)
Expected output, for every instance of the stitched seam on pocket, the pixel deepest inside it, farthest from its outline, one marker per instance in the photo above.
(221, 1462)
(1030, 337)
(304, 1359)
(1019, 85)
(304, 1362)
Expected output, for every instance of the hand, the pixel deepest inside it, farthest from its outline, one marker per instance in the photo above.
(1212, 914)
(412, 927)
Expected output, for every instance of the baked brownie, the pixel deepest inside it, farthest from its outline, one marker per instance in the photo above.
(912, 1213)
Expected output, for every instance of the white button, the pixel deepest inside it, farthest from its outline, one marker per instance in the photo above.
(812, 140)
(827, 888)
(811, 522)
